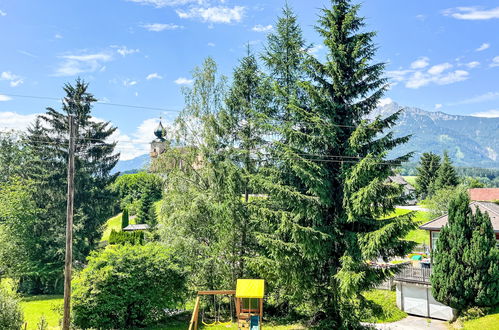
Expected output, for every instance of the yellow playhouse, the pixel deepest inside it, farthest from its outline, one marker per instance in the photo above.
(248, 298)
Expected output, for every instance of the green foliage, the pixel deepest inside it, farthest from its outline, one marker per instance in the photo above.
(127, 286)
(446, 175)
(126, 237)
(146, 211)
(47, 306)
(429, 164)
(124, 219)
(440, 200)
(466, 260)
(130, 188)
(38, 255)
(42, 324)
(327, 188)
(11, 314)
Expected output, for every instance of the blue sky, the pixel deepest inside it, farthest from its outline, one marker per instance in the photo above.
(442, 55)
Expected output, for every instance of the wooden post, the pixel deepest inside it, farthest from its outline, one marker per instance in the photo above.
(69, 227)
(193, 325)
(261, 313)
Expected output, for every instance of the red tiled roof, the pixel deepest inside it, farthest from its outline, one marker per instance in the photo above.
(484, 194)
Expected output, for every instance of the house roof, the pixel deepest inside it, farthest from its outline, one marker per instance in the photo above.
(491, 208)
(400, 180)
(484, 194)
(136, 227)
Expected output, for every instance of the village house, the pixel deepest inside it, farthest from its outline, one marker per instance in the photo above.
(485, 199)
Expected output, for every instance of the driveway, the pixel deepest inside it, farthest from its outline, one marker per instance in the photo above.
(414, 323)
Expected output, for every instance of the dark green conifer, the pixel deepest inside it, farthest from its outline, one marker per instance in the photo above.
(465, 262)
(325, 213)
(446, 174)
(429, 164)
(124, 219)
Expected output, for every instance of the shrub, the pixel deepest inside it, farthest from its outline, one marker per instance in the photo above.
(11, 315)
(124, 219)
(127, 286)
(126, 237)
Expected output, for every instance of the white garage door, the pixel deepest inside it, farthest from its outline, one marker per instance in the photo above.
(415, 300)
(438, 310)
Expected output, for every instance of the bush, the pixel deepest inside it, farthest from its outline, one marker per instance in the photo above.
(126, 237)
(11, 315)
(127, 286)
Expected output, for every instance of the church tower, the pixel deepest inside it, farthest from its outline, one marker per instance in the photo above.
(158, 145)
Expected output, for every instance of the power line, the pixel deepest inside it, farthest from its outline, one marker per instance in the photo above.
(98, 102)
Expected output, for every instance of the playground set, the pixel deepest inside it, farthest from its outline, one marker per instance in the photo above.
(247, 298)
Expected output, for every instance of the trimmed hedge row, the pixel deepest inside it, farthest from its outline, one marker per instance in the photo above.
(126, 237)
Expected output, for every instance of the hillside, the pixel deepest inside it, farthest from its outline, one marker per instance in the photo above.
(470, 141)
(132, 165)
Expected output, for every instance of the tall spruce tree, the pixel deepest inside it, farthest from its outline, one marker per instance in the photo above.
(243, 137)
(95, 158)
(426, 173)
(446, 175)
(325, 214)
(466, 260)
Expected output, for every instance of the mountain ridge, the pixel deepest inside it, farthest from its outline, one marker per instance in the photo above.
(470, 141)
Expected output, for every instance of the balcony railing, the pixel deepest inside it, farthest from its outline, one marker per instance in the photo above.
(414, 275)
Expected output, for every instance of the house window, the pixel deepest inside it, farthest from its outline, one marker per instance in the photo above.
(434, 238)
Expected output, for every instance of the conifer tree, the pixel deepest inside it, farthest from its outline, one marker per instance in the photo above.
(426, 173)
(466, 262)
(446, 174)
(326, 212)
(124, 218)
(146, 213)
(95, 158)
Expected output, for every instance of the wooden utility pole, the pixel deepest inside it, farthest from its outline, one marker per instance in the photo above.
(69, 226)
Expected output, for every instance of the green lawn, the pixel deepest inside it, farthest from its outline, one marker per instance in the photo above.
(36, 306)
(411, 179)
(417, 235)
(382, 307)
(490, 321)
(113, 223)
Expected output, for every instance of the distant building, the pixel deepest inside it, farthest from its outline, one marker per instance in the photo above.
(136, 227)
(484, 194)
(158, 145)
(409, 190)
(434, 226)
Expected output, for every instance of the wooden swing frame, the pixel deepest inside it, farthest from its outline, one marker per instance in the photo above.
(193, 325)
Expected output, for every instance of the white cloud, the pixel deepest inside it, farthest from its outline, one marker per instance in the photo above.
(165, 3)
(153, 76)
(124, 50)
(398, 75)
(262, 28)
(439, 68)
(483, 47)
(421, 17)
(183, 81)
(385, 101)
(14, 121)
(158, 27)
(417, 80)
(214, 14)
(76, 64)
(420, 63)
(2, 13)
(211, 44)
(129, 82)
(438, 106)
(4, 98)
(487, 114)
(472, 13)
(58, 36)
(14, 80)
(495, 62)
(473, 64)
